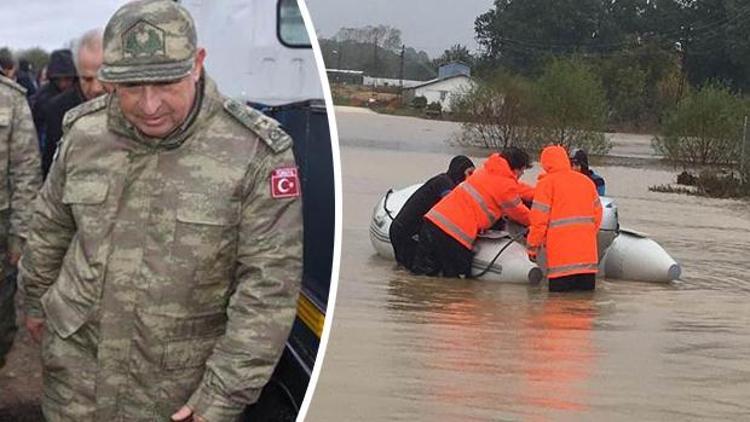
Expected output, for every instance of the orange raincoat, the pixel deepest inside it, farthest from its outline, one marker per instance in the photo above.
(479, 201)
(565, 216)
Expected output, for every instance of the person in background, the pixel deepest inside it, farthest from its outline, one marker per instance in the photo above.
(493, 191)
(20, 179)
(579, 160)
(565, 218)
(25, 77)
(61, 74)
(408, 222)
(7, 65)
(87, 57)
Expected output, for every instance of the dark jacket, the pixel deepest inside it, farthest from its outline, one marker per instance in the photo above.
(409, 219)
(38, 101)
(52, 116)
(26, 80)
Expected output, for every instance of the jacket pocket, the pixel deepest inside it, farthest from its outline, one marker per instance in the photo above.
(175, 342)
(205, 236)
(85, 192)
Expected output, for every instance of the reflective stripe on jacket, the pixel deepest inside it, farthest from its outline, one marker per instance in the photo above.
(565, 216)
(484, 197)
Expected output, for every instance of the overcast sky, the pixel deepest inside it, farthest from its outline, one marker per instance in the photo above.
(429, 25)
(50, 24)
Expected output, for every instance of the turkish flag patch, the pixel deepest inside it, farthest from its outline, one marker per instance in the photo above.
(285, 183)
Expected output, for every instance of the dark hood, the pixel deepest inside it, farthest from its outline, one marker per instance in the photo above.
(457, 168)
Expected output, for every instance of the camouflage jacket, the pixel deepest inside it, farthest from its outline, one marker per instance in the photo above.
(20, 171)
(174, 251)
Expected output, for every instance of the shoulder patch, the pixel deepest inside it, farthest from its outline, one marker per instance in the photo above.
(265, 127)
(12, 84)
(88, 107)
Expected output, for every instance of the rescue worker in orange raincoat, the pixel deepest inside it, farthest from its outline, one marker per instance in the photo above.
(565, 218)
(452, 225)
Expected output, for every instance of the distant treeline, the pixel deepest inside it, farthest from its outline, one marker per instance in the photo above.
(37, 57)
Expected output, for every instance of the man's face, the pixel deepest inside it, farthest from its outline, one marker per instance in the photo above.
(156, 109)
(63, 82)
(89, 61)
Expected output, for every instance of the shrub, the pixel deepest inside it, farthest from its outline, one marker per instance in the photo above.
(704, 128)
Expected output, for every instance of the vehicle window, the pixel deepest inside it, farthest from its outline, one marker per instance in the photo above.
(291, 27)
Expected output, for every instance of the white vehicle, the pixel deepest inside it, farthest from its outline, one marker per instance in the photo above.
(501, 255)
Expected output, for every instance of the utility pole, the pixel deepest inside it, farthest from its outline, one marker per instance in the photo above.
(744, 152)
(401, 74)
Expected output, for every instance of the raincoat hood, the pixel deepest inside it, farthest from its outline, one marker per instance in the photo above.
(497, 164)
(554, 158)
(457, 168)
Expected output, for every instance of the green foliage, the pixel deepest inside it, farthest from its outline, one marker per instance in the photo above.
(37, 57)
(704, 128)
(456, 53)
(572, 106)
(434, 109)
(497, 112)
(375, 60)
(419, 102)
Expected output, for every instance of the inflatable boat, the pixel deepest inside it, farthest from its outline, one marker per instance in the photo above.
(501, 255)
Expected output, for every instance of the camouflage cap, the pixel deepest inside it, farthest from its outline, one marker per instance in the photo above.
(148, 41)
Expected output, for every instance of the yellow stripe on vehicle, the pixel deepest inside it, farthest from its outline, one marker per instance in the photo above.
(310, 315)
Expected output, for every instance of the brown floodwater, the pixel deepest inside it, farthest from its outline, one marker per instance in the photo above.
(410, 348)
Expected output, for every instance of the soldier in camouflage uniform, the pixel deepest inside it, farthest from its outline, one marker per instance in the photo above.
(165, 252)
(20, 178)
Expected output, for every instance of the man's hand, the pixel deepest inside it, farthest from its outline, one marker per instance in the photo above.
(186, 414)
(35, 326)
(532, 256)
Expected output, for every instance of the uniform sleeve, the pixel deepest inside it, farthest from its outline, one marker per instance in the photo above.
(539, 215)
(262, 309)
(50, 231)
(514, 208)
(24, 171)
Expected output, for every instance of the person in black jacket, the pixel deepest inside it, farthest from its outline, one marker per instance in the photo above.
(408, 221)
(61, 73)
(88, 56)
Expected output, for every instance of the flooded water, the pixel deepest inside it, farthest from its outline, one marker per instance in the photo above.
(415, 348)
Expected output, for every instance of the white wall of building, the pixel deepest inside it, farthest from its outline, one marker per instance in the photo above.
(371, 81)
(442, 91)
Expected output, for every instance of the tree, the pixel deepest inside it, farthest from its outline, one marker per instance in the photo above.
(456, 53)
(705, 128)
(497, 112)
(572, 107)
(356, 55)
(523, 34)
(37, 57)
